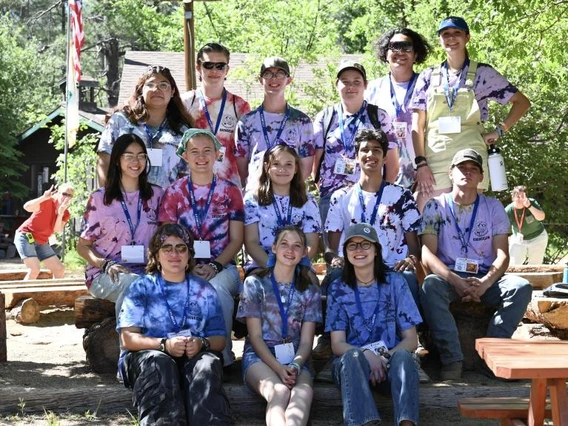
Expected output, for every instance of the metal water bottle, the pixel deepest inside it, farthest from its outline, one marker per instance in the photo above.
(497, 172)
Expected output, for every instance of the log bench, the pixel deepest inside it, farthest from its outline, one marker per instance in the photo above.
(19, 274)
(46, 292)
(510, 410)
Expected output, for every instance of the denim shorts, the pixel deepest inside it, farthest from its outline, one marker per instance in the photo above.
(25, 249)
(250, 357)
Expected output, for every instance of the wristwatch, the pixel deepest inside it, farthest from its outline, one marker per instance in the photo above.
(163, 345)
(419, 159)
(205, 345)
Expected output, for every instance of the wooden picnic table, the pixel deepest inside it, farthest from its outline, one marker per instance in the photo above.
(544, 362)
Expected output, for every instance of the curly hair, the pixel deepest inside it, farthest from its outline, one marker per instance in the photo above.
(419, 44)
(161, 234)
(136, 110)
(298, 193)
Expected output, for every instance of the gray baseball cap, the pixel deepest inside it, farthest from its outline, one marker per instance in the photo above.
(275, 62)
(468, 155)
(363, 230)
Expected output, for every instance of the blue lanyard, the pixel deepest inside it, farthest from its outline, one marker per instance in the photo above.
(462, 235)
(379, 194)
(282, 223)
(151, 136)
(177, 326)
(452, 92)
(407, 96)
(283, 312)
(199, 214)
(265, 130)
(369, 325)
(348, 143)
(219, 117)
(129, 219)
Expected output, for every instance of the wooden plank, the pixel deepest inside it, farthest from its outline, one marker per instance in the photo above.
(19, 274)
(497, 408)
(540, 280)
(40, 283)
(46, 296)
(3, 335)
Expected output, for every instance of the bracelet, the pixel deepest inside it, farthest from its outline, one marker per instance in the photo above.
(419, 159)
(296, 366)
(109, 265)
(216, 265)
(421, 165)
(499, 130)
(104, 264)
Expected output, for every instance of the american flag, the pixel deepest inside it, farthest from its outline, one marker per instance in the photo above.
(76, 40)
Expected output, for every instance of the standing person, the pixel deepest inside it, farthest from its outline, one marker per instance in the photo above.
(450, 108)
(281, 307)
(529, 239)
(214, 108)
(156, 114)
(211, 208)
(281, 200)
(334, 132)
(49, 215)
(172, 333)
(119, 221)
(372, 319)
(464, 245)
(400, 48)
(273, 122)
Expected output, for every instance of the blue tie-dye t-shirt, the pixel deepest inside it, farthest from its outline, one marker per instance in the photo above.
(397, 311)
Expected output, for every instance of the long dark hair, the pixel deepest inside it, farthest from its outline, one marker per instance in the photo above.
(298, 194)
(348, 274)
(161, 234)
(301, 275)
(136, 109)
(419, 44)
(113, 186)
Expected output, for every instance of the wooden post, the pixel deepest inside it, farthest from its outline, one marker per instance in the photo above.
(189, 45)
(3, 335)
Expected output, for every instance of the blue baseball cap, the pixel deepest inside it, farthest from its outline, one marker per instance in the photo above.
(453, 22)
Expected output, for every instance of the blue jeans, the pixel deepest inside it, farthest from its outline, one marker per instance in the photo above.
(352, 371)
(511, 294)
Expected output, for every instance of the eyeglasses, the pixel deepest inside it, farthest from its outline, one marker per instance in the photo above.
(279, 75)
(162, 85)
(132, 158)
(401, 46)
(67, 195)
(219, 66)
(179, 248)
(365, 245)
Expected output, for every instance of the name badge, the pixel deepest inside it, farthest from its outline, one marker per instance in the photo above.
(345, 166)
(155, 155)
(400, 129)
(221, 154)
(378, 348)
(132, 254)
(470, 266)
(449, 125)
(202, 249)
(519, 237)
(284, 353)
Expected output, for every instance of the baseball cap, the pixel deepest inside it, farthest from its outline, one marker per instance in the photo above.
(363, 230)
(182, 146)
(351, 65)
(275, 62)
(467, 155)
(453, 22)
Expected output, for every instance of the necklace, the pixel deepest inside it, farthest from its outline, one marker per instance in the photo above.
(366, 282)
(129, 201)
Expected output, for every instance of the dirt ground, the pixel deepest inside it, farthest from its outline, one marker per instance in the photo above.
(46, 363)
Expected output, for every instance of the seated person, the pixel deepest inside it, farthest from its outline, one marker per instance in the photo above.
(372, 319)
(281, 200)
(281, 307)
(119, 221)
(211, 208)
(172, 333)
(464, 245)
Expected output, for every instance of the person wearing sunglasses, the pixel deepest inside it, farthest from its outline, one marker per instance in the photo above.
(156, 114)
(119, 221)
(372, 318)
(450, 108)
(214, 108)
(273, 122)
(172, 333)
(211, 208)
(400, 48)
(49, 214)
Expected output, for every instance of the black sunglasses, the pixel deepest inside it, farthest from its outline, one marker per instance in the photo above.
(219, 66)
(401, 46)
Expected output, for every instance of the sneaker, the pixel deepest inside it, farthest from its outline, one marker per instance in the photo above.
(422, 376)
(451, 371)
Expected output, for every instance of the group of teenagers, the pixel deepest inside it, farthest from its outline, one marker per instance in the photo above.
(187, 180)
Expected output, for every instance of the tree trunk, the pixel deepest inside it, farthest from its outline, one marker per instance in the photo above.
(90, 310)
(25, 312)
(101, 346)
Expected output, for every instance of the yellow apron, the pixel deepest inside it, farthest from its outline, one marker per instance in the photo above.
(441, 148)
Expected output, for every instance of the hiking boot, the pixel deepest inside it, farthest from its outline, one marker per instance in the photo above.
(451, 371)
